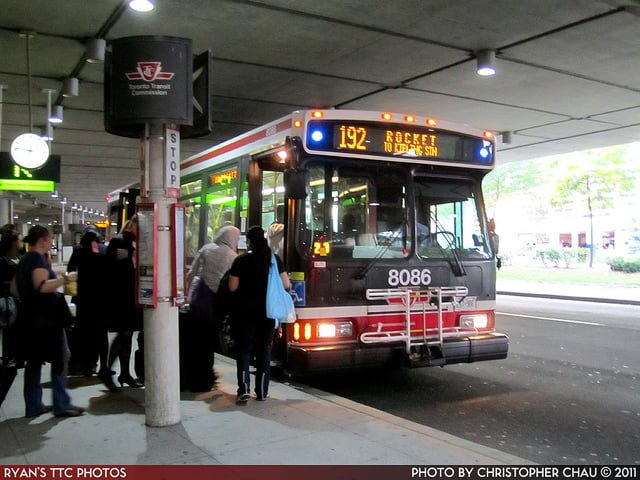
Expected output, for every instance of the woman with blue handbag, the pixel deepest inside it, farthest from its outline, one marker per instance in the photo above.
(253, 331)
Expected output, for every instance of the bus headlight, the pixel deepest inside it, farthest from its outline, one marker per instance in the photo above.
(329, 330)
(479, 320)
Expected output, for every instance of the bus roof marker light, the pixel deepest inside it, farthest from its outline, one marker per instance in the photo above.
(487, 134)
(409, 118)
(431, 122)
(297, 123)
(317, 114)
(386, 116)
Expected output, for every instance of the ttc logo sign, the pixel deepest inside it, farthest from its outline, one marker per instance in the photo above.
(149, 72)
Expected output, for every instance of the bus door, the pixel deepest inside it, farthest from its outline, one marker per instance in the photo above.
(268, 206)
(268, 209)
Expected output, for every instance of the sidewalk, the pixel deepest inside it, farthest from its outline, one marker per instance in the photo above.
(293, 427)
(588, 293)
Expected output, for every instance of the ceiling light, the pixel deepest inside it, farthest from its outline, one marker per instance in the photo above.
(70, 87)
(95, 50)
(141, 5)
(63, 201)
(54, 194)
(56, 114)
(486, 62)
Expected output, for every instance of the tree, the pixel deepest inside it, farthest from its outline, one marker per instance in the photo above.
(593, 178)
(510, 178)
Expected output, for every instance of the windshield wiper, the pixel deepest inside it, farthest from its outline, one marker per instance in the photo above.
(454, 260)
(367, 268)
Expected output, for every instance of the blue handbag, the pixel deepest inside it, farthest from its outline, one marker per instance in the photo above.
(279, 302)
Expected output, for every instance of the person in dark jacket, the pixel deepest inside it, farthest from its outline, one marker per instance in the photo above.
(90, 339)
(252, 330)
(10, 246)
(125, 316)
(42, 331)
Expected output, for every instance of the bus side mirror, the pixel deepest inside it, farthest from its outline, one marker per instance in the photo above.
(296, 183)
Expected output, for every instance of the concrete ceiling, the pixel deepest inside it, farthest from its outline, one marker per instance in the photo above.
(568, 71)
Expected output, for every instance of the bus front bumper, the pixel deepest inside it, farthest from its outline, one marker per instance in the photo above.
(463, 349)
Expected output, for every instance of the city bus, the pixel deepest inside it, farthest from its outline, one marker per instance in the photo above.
(381, 226)
(121, 206)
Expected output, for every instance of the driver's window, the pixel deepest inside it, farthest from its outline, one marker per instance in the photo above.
(448, 218)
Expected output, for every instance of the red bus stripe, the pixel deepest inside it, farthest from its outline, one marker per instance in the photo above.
(237, 144)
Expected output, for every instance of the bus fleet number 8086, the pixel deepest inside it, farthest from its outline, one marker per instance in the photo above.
(405, 277)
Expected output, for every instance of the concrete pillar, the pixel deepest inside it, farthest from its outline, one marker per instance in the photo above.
(6, 211)
(68, 218)
(161, 351)
(59, 241)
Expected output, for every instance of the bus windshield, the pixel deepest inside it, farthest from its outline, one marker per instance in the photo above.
(357, 211)
(448, 219)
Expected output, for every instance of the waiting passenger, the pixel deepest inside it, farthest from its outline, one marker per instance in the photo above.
(125, 316)
(42, 330)
(89, 340)
(210, 264)
(10, 245)
(275, 235)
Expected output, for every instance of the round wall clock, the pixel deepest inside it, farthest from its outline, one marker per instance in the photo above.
(29, 150)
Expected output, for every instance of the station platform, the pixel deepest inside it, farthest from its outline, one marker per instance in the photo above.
(293, 427)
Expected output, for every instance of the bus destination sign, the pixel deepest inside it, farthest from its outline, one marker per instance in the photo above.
(394, 140)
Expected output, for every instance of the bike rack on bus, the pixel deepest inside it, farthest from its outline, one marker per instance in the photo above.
(409, 296)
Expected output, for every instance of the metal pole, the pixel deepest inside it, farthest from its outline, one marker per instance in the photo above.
(59, 236)
(161, 350)
(2, 87)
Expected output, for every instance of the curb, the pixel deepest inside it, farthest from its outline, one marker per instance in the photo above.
(618, 301)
